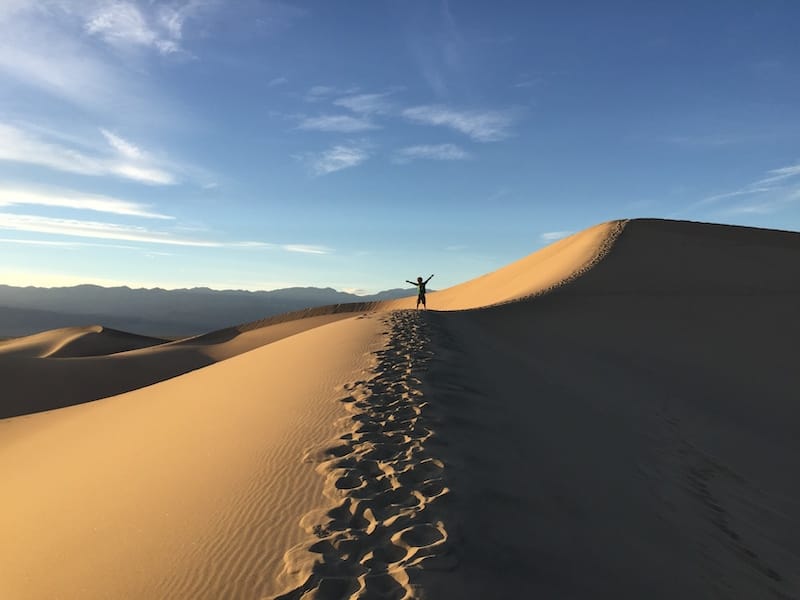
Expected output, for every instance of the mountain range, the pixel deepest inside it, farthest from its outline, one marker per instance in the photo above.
(158, 312)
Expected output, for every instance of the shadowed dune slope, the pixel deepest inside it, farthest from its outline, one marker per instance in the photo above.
(632, 434)
(662, 257)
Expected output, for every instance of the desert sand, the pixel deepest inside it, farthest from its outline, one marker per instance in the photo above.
(613, 416)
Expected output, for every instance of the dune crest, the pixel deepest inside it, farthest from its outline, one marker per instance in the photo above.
(536, 274)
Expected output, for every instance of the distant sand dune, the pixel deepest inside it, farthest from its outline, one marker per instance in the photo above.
(33, 384)
(613, 416)
(71, 342)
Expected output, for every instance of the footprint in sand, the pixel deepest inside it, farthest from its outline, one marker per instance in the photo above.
(387, 524)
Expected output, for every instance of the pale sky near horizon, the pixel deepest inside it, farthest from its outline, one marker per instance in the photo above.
(257, 144)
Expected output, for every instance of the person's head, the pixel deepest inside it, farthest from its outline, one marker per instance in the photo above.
(419, 278)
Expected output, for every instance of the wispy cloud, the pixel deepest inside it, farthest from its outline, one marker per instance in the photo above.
(14, 196)
(301, 248)
(95, 229)
(776, 175)
(60, 47)
(123, 24)
(277, 81)
(306, 249)
(431, 152)
(68, 244)
(337, 123)
(128, 24)
(51, 60)
(480, 125)
(437, 45)
(123, 146)
(126, 233)
(342, 156)
(367, 104)
(552, 236)
(772, 182)
(712, 140)
(318, 93)
(129, 162)
(769, 194)
(528, 82)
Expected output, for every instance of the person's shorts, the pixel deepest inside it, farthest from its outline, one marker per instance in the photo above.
(421, 298)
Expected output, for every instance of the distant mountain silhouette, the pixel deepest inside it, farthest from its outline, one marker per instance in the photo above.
(158, 312)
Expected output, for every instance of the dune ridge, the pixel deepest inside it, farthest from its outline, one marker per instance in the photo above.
(537, 274)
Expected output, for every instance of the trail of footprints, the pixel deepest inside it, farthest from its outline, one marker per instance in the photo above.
(388, 486)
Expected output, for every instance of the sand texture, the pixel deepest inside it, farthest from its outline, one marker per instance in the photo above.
(614, 416)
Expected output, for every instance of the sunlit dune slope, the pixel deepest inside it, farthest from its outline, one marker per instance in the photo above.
(190, 488)
(535, 274)
(32, 384)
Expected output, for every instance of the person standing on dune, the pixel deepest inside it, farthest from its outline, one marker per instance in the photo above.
(421, 285)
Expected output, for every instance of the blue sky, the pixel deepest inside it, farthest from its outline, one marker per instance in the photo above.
(257, 144)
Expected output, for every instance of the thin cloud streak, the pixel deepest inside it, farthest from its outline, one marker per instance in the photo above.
(10, 196)
(552, 236)
(480, 125)
(129, 233)
(431, 152)
(123, 146)
(306, 249)
(337, 158)
(95, 229)
(337, 123)
(762, 186)
(773, 184)
(776, 175)
(365, 103)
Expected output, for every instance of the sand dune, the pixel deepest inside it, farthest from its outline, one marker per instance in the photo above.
(71, 342)
(612, 416)
(191, 488)
(37, 378)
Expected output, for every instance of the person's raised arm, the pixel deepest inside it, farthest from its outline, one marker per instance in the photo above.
(429, 278)
(412, 282)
